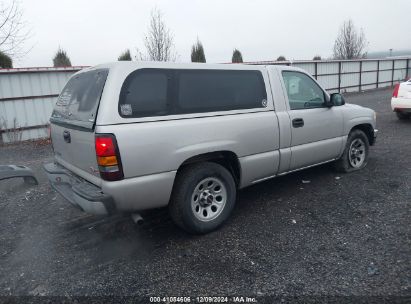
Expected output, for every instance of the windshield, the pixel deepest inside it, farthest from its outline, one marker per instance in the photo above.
(78, 102)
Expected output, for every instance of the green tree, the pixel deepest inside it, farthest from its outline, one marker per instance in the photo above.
(237, 57)
(61, 59)
(125, 56)
(317, 57)
(197, 52)
(281, 58)
(5, 61)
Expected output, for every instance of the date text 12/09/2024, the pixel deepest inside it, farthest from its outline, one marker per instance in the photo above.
(235, 299)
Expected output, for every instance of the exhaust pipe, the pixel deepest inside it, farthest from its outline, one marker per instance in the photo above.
(137, 219)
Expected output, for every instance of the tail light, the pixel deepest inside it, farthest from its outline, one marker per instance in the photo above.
(108, 157)
(396, 88)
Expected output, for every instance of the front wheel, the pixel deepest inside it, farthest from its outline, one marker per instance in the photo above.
(355, 155)
(203, 197)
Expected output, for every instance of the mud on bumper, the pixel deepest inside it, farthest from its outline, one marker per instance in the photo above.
(79, 192)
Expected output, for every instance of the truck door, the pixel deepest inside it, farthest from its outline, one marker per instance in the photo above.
(316, 129)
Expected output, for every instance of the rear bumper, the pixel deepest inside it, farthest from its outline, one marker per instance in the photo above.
(79, 192)
(401, 105)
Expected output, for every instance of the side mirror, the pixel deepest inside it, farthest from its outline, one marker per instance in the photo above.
(336, 99)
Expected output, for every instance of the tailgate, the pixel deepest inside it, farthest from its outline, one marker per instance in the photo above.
(75, 150)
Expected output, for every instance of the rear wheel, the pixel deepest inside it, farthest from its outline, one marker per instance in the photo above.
(203, 197)
(402, 115)
(355, 155)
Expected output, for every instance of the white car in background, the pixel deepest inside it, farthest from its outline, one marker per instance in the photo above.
(401, 100)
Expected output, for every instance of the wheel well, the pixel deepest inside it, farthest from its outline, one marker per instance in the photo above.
(227, 159)
(368, 130)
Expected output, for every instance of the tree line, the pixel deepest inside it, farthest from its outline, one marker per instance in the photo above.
(158, 42)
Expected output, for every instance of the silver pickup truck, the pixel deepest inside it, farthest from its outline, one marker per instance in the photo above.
(131, 136)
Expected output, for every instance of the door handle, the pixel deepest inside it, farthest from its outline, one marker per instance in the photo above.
(298, 122)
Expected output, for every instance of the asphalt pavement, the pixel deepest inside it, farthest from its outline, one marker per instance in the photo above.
(311, 233)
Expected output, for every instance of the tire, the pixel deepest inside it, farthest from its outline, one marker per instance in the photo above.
(402, 115)
(205, 186)
(355, 155)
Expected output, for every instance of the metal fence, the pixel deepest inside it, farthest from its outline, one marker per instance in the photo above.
(352, 75)
(27, 96)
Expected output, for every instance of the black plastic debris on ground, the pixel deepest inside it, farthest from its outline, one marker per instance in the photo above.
(13, 171)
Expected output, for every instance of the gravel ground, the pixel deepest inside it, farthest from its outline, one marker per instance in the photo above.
(342, 235)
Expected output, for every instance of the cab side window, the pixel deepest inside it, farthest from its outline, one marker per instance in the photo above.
(303, 92)
(158, 92)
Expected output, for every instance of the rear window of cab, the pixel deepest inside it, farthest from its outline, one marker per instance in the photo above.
(78, 102)
(159, 92)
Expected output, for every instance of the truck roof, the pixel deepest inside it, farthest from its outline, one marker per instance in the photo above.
(127, 65)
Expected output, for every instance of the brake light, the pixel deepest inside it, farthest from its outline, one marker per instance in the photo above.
(108, 157)
(105, 145)
(396, 88)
